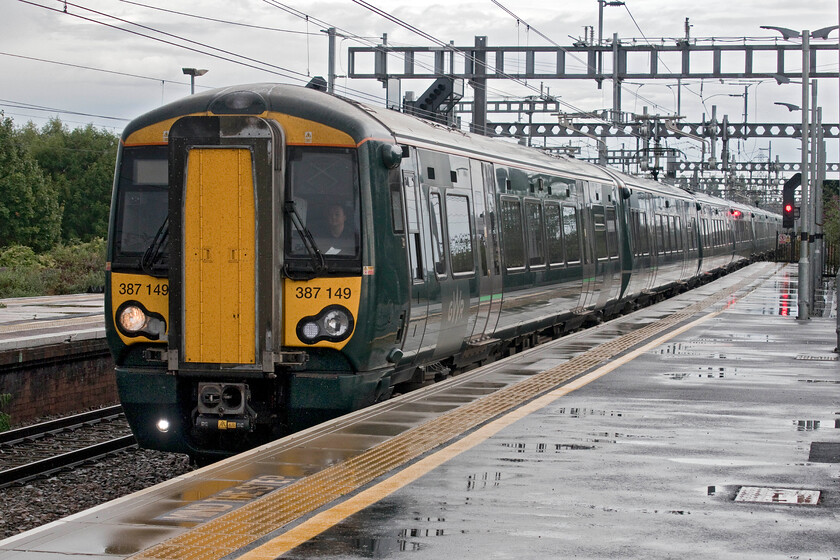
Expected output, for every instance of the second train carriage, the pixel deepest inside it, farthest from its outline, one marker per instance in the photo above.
(279, 256)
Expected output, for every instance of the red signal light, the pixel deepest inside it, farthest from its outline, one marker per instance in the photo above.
(788, 208)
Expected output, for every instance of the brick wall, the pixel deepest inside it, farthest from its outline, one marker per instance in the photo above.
(57, 379)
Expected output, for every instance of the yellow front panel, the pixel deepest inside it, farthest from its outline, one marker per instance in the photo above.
(150, 292)
(219, 250)
(306, 298)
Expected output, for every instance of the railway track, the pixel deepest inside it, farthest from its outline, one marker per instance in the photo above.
(44, 448)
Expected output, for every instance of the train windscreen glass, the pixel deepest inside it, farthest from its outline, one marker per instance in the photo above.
(324, 185)
(143, 201)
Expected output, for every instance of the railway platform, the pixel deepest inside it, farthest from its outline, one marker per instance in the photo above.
(705, 426)
(41, 321)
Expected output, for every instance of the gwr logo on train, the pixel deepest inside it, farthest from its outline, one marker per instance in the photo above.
(303, 255)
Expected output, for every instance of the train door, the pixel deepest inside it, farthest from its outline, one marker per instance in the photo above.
(414, 247)
(221, 204)
(593, 228)
(489, 258)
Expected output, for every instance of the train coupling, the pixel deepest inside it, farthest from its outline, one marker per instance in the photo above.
(224, 406)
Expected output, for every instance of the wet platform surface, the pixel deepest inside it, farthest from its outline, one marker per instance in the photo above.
(707, 426)
(38, 321)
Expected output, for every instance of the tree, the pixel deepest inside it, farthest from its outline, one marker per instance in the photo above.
(81, 165)
(29, 210)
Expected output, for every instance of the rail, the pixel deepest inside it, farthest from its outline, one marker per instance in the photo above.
(61, 457)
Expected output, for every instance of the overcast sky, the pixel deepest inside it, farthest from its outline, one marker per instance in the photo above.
(295, 49)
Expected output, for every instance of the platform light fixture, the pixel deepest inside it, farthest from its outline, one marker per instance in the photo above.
(192, 73)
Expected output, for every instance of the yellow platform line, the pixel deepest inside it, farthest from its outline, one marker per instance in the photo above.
(242, 527)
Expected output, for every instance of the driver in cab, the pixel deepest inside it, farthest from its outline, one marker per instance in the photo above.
(339, 239)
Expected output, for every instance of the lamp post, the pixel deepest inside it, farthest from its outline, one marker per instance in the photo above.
(192, 73)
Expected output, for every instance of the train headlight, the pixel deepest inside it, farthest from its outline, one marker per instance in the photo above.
(333, 323)
(132, 319)
(336, 323)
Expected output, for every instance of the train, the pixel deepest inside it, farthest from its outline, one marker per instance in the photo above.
(279, 256)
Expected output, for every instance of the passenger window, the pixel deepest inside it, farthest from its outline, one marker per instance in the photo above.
(612, 232)
(460, 238)
(437, 235)
(553, 233)
(514, 249)
(396, 201)
(571, 236)
(600, 227)
(534, 233)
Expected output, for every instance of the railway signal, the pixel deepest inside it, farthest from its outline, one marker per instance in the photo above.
(788, 206)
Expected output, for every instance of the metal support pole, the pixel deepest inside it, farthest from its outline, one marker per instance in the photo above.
(816, 269)
(479, 85)
(803, 296)
(331, 61)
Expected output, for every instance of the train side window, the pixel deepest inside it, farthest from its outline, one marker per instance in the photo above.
(644, 234)
(395, 187)
(534, 233)
(512, 244)
(676, 237)
(660, 234)
(612, 232)
(415, 251)
(600, 226)
(460, 239)
(553, 233)
(437, 235)
(571, 235)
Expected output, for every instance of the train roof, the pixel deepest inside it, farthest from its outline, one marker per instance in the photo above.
(364, 122)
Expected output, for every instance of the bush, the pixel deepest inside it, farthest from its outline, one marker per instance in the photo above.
(66, 269)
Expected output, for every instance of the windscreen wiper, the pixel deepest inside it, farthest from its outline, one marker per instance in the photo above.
(153, 251)
(319, 263)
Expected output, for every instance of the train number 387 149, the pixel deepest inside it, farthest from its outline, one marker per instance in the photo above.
(139, 289)
(312, 292)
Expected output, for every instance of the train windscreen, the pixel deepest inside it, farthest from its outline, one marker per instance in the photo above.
(142, 204)
(323, 184)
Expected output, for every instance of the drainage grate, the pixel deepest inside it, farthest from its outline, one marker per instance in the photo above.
(787, 496)
(824, 452)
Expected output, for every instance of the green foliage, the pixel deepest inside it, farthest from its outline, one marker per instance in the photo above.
(66, 269)
(80, 163)
(5, 419)
(29, 210)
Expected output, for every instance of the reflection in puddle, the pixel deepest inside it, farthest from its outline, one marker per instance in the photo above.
(479, 482)
(575, 412)
(705, 373)
(806, 425)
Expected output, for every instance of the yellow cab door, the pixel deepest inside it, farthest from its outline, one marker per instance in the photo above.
(219, 251)
(223, 311)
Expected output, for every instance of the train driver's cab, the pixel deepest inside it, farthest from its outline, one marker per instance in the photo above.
(322, 207)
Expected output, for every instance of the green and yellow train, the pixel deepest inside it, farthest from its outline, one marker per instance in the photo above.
(279, 256)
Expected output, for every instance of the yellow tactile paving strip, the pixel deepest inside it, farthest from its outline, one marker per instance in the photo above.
(233, 531)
